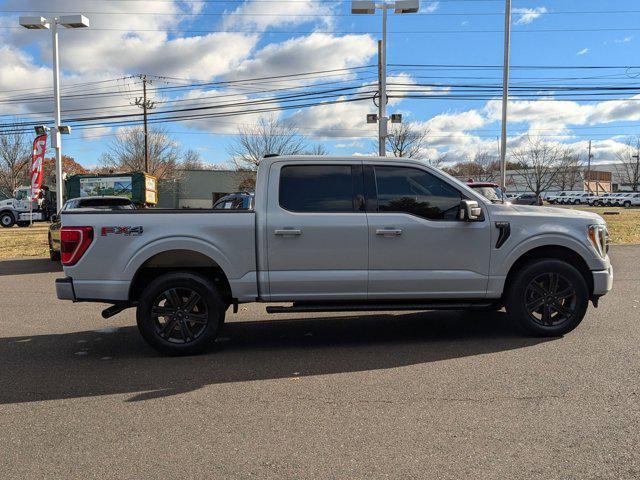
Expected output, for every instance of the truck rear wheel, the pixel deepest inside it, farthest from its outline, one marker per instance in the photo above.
(547, 298)
(7, 220)
(180, 313)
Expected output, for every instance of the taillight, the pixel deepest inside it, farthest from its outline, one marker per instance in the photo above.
(74, 241)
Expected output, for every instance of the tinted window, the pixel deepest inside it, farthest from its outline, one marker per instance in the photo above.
(417, 192)
(105, 203)
(316, 188)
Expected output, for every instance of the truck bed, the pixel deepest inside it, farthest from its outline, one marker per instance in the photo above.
(126, 240)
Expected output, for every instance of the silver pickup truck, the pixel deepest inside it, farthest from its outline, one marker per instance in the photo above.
(337, 234)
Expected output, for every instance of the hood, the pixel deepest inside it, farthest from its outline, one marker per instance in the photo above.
(548, 212)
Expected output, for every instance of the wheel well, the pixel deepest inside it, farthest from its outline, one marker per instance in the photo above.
(556, 252)
(180, 260)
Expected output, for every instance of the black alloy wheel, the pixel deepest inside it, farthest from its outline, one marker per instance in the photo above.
(547, 297)
(550, 299)
(180, 315)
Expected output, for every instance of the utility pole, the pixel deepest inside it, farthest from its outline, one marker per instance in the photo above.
(145, 104)
(505, 93)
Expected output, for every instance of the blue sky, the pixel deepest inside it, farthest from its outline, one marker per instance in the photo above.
(186, 43)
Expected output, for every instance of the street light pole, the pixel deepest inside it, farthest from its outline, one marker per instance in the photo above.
(505, 93)
(56, 139)
(369, 7)
(382, 85)
(41, 23)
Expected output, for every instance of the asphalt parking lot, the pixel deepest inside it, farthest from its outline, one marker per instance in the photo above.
(408, 395)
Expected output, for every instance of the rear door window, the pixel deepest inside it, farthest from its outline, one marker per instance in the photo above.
(317, 188)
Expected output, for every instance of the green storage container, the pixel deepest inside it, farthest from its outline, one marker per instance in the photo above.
(137, 186)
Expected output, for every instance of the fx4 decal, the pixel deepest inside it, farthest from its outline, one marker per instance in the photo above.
(126, 231)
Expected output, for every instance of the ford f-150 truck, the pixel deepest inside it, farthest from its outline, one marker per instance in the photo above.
(337, 234)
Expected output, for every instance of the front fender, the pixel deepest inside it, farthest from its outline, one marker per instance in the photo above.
(504, 261)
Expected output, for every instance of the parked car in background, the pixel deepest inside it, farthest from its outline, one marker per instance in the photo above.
(612, 199)
(579, 198)
(527, 199)
(560, 197)
(490, 191)
(554, 197)
(599, 200)
(84, 204)
(627, 200)
(235, 201)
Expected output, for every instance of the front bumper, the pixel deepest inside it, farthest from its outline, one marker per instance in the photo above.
(602, 281)
(64, 289)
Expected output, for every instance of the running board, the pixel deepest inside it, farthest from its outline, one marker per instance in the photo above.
(300, 307)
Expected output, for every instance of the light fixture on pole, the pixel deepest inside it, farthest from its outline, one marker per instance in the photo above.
(40, 23)
(368, 7)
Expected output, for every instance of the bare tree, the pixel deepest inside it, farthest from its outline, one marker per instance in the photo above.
(192, 160)
(268, 136)
(15, 155)
(126, 153)
(539, 164)
(404, 140)
(570, 174)
(488, 166)
(483, 168)
(316, 149)
(628, 168)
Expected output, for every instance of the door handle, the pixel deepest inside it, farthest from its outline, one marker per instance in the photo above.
(287, 231)
(389, 232)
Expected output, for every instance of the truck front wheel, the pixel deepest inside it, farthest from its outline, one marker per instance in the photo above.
(180, 313)
(547, 298)
(7, 220)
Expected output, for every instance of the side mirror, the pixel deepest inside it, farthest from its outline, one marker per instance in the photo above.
(470, 211)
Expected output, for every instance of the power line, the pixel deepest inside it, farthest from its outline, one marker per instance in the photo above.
(362, 32)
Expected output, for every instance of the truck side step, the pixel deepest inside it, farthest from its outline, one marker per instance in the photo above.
(379, 306)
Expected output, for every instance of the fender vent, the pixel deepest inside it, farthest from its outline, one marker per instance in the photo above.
(505, 233)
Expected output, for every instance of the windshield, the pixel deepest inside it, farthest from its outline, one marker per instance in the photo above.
(492, 193)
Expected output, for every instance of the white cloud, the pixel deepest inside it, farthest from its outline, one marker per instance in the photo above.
(315, 52)
(528, 15)
(429, 7)
(584, 51)
(627, 39)
(261, 15)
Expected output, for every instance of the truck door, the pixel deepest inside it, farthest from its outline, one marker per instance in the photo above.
(417, 246)
(316, 231)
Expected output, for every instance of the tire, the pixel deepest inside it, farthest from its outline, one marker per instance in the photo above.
(54, 255)
(178, 332)
(577, 202)
(538, 308)
(7, 220)
(627, 204)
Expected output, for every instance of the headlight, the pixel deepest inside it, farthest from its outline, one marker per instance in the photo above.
(599, 238)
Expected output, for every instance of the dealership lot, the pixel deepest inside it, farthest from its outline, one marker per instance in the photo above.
(403, 395)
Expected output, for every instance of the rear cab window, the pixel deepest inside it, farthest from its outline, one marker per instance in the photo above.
(317, 188)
